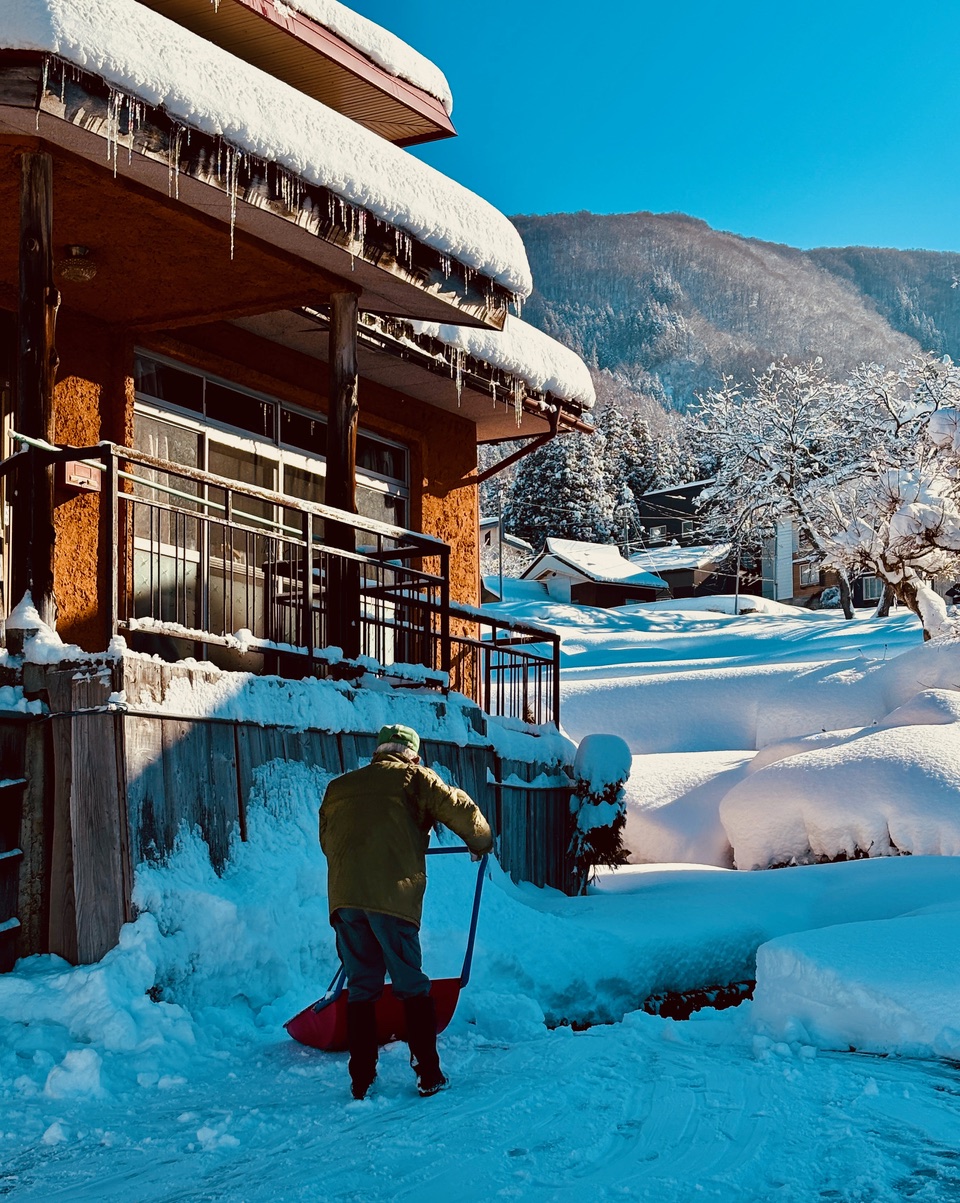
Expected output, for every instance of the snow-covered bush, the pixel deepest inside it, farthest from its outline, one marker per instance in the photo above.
(601, 769)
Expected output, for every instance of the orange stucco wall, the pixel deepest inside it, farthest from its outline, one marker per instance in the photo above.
(89, 402)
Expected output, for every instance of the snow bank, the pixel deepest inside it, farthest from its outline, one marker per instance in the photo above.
(673, 807)
(880, 987)
(877, 790)
(705, 708)
(378, 44)
(156, 61)
(521, 350)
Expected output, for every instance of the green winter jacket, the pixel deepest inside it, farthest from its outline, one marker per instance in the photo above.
(374, 829)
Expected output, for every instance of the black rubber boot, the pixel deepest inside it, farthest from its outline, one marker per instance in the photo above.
(421, 1019)
(363, 1046)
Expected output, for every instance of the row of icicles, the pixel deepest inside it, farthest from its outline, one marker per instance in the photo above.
(125, 117)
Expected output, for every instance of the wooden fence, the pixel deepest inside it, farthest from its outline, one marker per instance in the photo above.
(109, 788)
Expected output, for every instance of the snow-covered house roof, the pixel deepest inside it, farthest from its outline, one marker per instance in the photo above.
(674, 558)
(599, 562)
(378, 44)
(541, 362)
(154, 61)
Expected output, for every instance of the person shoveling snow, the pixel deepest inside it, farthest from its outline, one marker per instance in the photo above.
(374, 830)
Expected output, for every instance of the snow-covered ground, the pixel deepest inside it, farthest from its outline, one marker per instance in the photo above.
(164, 1073)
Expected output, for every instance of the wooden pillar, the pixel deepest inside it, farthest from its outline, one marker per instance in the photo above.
(343, 585)
(341, 489)
(36, 373)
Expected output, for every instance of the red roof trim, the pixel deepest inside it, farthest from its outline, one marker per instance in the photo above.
(335, 48)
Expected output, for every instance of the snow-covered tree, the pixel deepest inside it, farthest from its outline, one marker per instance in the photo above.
(560, 489)
(898, 516)
(778, 442)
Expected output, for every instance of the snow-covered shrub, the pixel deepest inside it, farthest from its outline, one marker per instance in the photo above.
(601, 769)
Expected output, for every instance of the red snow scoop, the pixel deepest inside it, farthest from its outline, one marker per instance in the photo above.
(323, 1025)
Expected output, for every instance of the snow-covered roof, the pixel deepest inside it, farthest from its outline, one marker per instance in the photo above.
(508, 539)
(687, 484)
(144, 55)
(674, 558)
(522, 350)
(378, 44)
(601, 562)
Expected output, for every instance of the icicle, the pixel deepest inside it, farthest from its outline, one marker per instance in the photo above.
(519, 389)
(457, 361)
(114, 106)
(233, 159)
(518, 305)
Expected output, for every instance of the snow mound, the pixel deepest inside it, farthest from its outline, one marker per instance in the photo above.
(875, 791)
(673, 801)
(867, 986)
(601, 761)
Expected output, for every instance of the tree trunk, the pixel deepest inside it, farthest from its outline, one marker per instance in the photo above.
(846, 595)
(885, 602)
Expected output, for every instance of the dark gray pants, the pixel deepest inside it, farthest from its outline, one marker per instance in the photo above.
(371, 945)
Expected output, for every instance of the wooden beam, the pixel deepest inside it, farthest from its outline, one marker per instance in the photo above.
(344, 411)
(341, 483)
(36, 373)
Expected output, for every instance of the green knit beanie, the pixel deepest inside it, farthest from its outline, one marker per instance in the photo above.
(396, 733)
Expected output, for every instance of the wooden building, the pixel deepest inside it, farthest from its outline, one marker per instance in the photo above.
(249, 346)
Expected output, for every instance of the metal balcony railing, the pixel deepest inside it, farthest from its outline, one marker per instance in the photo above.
(199, 560)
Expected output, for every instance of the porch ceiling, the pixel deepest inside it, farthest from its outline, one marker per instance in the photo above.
(159, 263)
(494, 420)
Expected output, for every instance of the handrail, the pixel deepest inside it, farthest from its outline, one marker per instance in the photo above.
(317, 509)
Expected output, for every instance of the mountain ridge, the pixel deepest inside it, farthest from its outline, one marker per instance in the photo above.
(666, 305)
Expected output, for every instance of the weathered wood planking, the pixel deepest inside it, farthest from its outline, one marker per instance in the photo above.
(200, 782)
(151, 827)
(356, 750)
(33, 903)
(62, 938)
(101, 858)
(100, 881)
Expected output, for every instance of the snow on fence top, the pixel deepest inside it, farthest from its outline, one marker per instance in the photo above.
(378, 44)
(145, 56)
(521, 350)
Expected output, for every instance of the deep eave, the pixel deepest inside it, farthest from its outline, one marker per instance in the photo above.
(42, 98)
(290, 46)
(426, 369)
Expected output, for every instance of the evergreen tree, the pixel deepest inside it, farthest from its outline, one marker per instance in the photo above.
(560, 489)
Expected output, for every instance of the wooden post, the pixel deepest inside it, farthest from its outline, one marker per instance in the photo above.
(343, 585)
(37, 363)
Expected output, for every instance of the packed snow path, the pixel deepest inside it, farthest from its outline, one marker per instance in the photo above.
(646, 1109)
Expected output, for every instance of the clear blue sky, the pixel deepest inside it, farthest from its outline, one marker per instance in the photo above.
(797, 121)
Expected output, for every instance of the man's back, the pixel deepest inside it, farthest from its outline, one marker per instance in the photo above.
(373, 843)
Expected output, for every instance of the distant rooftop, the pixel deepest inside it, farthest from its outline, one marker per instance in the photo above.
(671, 557)
(600, 562)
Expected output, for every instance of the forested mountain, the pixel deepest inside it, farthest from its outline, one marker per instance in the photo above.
(665, 305)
